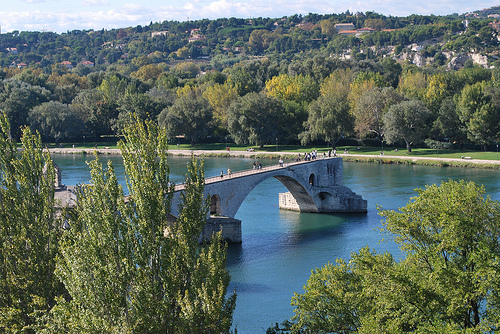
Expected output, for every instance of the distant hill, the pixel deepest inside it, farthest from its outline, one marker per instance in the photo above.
(488, 11)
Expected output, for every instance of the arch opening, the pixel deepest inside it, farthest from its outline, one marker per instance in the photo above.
(215, 209)
(312, 179)
(304, 200)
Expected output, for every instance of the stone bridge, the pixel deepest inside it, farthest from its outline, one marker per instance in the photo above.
(314, 186)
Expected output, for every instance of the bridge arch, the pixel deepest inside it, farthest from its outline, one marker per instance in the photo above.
(304, 200)
(314, 186)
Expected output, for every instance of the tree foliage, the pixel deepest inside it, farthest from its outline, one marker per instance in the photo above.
(127, 265)
(30, 231)
(408, 121)
(190, 115)
(256, 119)
(329, 116)
(447, 280)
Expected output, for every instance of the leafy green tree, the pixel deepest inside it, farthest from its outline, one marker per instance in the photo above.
(412, 84)
(97, 114)
(220, 97)
(17, 98)
(55, 120)
(446, 281)
(256, 119)
(406, 121)
(392, 71)
(127, 265)
(448, 122)
(450, 235)
(329, 118)
(142, 106)
(370, 109)
(298, 88)
(191, 115)
(242, 81)
(479, 113)
(186, 70)
(362, 83)
(113, 88)
(30, 231)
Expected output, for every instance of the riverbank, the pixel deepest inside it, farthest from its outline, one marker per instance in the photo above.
(466, 162)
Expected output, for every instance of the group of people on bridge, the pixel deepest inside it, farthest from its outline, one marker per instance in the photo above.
(308, 156)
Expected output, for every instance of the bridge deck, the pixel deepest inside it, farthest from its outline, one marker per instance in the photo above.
(246, 172)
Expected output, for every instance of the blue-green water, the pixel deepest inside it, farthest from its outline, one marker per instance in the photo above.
(280, 248)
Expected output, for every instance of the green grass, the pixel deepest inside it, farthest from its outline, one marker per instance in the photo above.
(81, 146)
(375, 151)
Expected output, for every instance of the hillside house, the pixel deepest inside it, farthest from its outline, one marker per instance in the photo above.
(495, 25)
(348, 32)
(344, 26)
(195, 38)
(159, 33)
(87, 63)
(67, 64)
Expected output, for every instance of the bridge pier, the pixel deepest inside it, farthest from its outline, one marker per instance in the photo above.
(230, 227)
(342, 200)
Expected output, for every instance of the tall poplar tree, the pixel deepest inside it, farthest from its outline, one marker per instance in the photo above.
(128, 266)
(29, 233)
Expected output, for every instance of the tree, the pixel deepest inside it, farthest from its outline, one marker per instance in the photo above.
(55, 120)
(97, 114)
(127, 266)
(16, 100)
(186, 70)
(113, 88)
(141, 105)
(412, 84)
(363, 82)
(479, 113)
(190, 115)
(392, 71)
(329, 118)
(256, 119)
(448, 122)
(242, 81)
(450, 235)
(406, 120)
(220, 97)
(298, 88)
(437, 90)
(149, 72)
(29, 234)
(370, 109)
(328, 28)
(446, 281)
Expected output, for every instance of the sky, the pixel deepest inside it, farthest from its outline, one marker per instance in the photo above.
(65, 15)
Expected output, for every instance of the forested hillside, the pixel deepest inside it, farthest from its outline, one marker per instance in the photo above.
(299, 79)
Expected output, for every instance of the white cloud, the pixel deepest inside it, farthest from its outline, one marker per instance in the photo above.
(34, 1)
(95, 3)
(98, 14)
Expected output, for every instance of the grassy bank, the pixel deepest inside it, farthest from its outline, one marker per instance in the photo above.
(418, 156)
(423, 162)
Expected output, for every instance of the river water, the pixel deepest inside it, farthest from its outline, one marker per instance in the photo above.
(280, 248)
